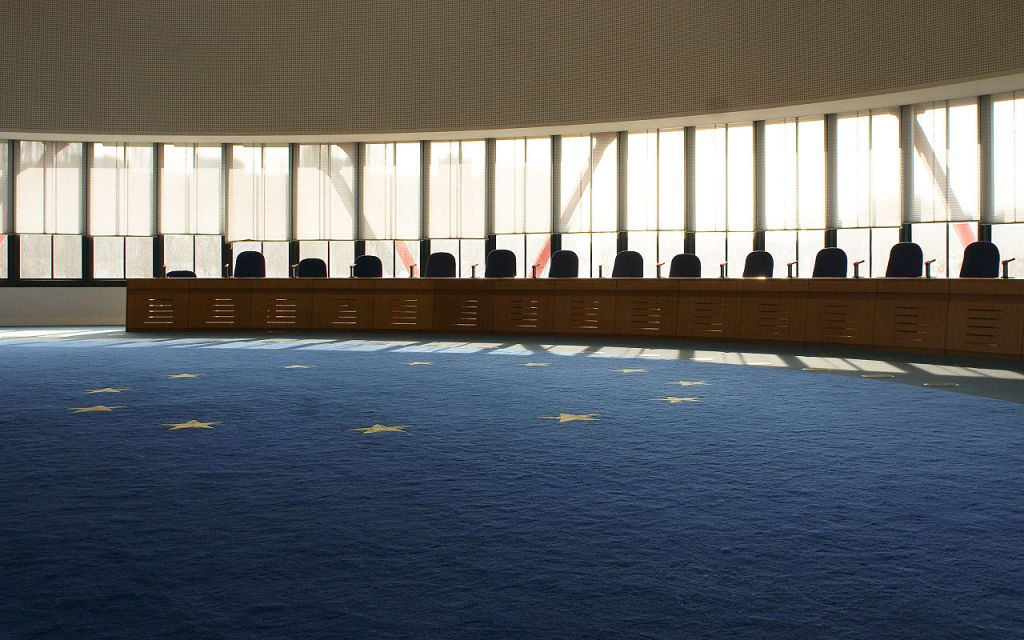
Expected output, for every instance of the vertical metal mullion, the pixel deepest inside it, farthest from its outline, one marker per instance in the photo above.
(13, 241)
(986, 164)
(759, 191)
(227, 254)
(157, 193)
(490, 187)
(622, 193)
(424, 203)
(85, 219)
(906, 171)
(689, 182)
(831, 180)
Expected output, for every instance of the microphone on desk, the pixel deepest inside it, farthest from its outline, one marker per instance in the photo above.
(789, 268)
(721, 268)
(1006, 267)
(856, 268)
(928, 268)
(658, 267)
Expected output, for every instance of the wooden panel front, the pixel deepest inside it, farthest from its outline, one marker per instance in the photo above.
(840, 311)
(709, 309)
(585, 307)
(404, 304)
(281, 303)
(463, 305)
(911, 314)
(645, 307)
(220, 304)
(986, 316)
(524, 306)
(344, 304)
(157, 304)
(773, 310)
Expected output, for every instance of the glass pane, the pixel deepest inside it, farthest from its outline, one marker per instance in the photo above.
(670, 244)
(810, 243)
(710, 180)
(343, 254)
(671, 179)
(138, 257)
(782, 246)
(190, 190)
(738, 245)
(740, 179)
(49, 188)
(933, 237)
(646, 244)
(857, 245)
(471, 252)
(1008, 167)
(710, 248)
(516, 243)
(178, 253)
(36, 256)
(1010, 240)
(882, 240)
(603, 248)
(121, 190)
(642, 177)
(276, 255)
(67, 256)
(325, 192)
(259, 208)
(108, 257)
(391, 191)
(580, 244)
(208, 260)
(522, 186)
(457, 189)
(5, 177)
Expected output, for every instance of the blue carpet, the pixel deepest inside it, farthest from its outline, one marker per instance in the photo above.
(780, 504)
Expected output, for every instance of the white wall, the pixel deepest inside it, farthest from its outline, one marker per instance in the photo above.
(61, 306)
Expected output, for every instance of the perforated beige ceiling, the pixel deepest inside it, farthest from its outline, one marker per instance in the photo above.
(246, 67)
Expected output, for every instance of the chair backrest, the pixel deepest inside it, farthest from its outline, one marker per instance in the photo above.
(440, 265)
(981, 260)
(250, 264)
(564, 264)
(759, 264)
(311, 268)
(501, 263)
(684, 265)
(906, 260)
(182, 273)
(628, 264)
(830, 263)
(368, 267)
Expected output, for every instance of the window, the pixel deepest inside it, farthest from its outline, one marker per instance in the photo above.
(724, 196)
(589, 195)
(326, 192)
(522, 186)
(868, 169)
(191, 193)
(456, 218)
(945, 162)
(390, 221)
(121, 190)
(5, 181)
(1008, 170)
(49, 188)
(656, 199)
(259, 207)
(197, 253)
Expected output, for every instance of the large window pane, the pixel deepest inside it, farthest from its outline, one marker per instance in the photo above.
(457, 187)
(656, 180)
(795, 174)
(325, 192)
(1008, 169)
(710, 181)
(710, 248)
(522, 186)
(589, 195)
(868, 169)
(49, 188)
(740, 179)
(5, 178)
(121, 190)
(191, 193)
(1010, 240)
(259, 193)
(945, 162)
(391, 191)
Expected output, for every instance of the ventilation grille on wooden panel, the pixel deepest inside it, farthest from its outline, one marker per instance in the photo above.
(403, 312)
(986, 327)
(346, 311)
(220, 311)
(709, 317)
(644, 316)
(282, 312)
(839, 321)
(464, 313)
(773, 319)
(161, 311)
(910, 323)
(586, 314)
(524, 313)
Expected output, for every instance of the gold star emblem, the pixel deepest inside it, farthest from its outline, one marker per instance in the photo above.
(416, 364)
(297, 366)
(380, 428)
(184, 375)
(677, 400)
(191, 424)
(106, 390)
(572, 417)
(632, 370)
(688, 383)
(99, 407)
(535, 364)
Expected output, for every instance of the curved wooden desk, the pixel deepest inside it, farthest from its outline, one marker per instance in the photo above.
(976, 317)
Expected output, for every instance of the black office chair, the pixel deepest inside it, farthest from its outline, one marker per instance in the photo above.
(564, 264)
(830, 262)
(250, 264)
(311, 268)
(368, 267)
(906, 260)
(684, 265)
(759, 264)
(628, 264)
(981, 260)
(501, 263)
(181, 273)
(440, 265)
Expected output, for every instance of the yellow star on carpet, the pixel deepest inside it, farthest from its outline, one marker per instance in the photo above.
(572, 417)
(99, 407)
(632, 370)
(297, 366)
(535, 364)
(414, 364)
(677, 400)
(184, 375)
(688, 383)
(106, 390)
(191, 424)
(380, 428)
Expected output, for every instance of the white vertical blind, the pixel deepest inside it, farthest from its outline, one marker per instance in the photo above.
(656, 179)
(49, 188)
(191, 191)
(795, 174)
(522, 186)
(946, 162)
(258, 207)
(5, 178)
(326, 192)
(1008, 152)
(740, 179)
(121, 190)
(709, 187)
(868, 169)
(589, 190)
(457, 187)
(391, 191)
